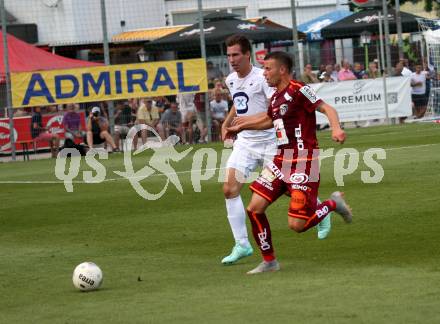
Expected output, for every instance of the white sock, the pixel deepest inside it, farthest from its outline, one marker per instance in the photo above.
(237, 220)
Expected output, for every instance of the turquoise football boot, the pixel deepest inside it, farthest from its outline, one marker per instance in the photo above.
(238, 252)
(324, 227)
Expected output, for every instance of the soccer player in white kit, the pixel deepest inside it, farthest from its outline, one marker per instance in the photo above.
(250, 93)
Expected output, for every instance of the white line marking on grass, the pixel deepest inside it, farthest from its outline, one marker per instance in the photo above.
(189, 171)
(394, 133)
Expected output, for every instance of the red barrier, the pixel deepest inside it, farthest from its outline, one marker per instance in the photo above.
(22, 127)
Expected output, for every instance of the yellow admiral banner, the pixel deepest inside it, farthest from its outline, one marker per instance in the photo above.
(112, 82)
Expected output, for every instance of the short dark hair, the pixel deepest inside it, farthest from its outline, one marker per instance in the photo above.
(281, 57)
(245, 44)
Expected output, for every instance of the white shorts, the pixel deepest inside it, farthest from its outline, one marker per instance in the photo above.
(247, 156)
(122, 129)
(186, 114)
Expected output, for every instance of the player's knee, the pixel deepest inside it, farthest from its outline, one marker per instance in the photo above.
(252, 209)
(230, 191)
(295, 226)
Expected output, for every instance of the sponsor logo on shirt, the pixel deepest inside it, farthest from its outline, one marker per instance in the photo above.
(277, 172)
(287, 97)
(266, 174)
(299, 140)
(309, 93)
(301, 187)
(298, 178)
(241, 100)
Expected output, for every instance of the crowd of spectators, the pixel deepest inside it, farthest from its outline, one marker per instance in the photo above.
(184, 115)
(420, 74)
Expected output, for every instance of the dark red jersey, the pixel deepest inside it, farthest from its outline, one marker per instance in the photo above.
(293, 113)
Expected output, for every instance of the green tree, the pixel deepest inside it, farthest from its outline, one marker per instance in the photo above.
(429, 5)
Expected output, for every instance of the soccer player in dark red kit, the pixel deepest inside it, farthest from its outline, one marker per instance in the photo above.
(295, 168)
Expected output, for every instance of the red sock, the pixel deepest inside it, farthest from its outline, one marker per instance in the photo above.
(262, 234)
(322, 210)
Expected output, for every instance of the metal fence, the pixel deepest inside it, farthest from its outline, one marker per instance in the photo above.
(120, 32)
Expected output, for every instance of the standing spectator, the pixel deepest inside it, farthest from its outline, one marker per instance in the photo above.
(418, 93)
(170, 122)
(199, 101)
(398, 69)
(188, 110)
(345, 73)
(398, 72)
(357, 71)
(430, 75)
(308, 76)
(72, 123)
(219, 109)
(123, 121)
(147, 114)
(40, 133)
(97, 130)
(213, 71)
(405, 68)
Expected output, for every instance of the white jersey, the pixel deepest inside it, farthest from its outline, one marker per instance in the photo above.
(419, 78)
(251, 96)
(186, 101)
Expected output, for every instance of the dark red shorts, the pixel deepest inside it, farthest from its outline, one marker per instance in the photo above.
(299, 180)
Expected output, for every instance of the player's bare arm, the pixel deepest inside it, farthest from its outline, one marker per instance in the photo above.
(338, 135)
(258, 121)
(89, 123)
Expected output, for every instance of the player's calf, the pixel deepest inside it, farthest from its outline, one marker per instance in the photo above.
(262, 234)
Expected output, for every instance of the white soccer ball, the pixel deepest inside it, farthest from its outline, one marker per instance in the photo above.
(87, 276)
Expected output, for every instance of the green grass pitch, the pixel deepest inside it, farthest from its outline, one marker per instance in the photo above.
(161, 259)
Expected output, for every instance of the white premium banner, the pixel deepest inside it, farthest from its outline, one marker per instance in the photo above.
(363, 99)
